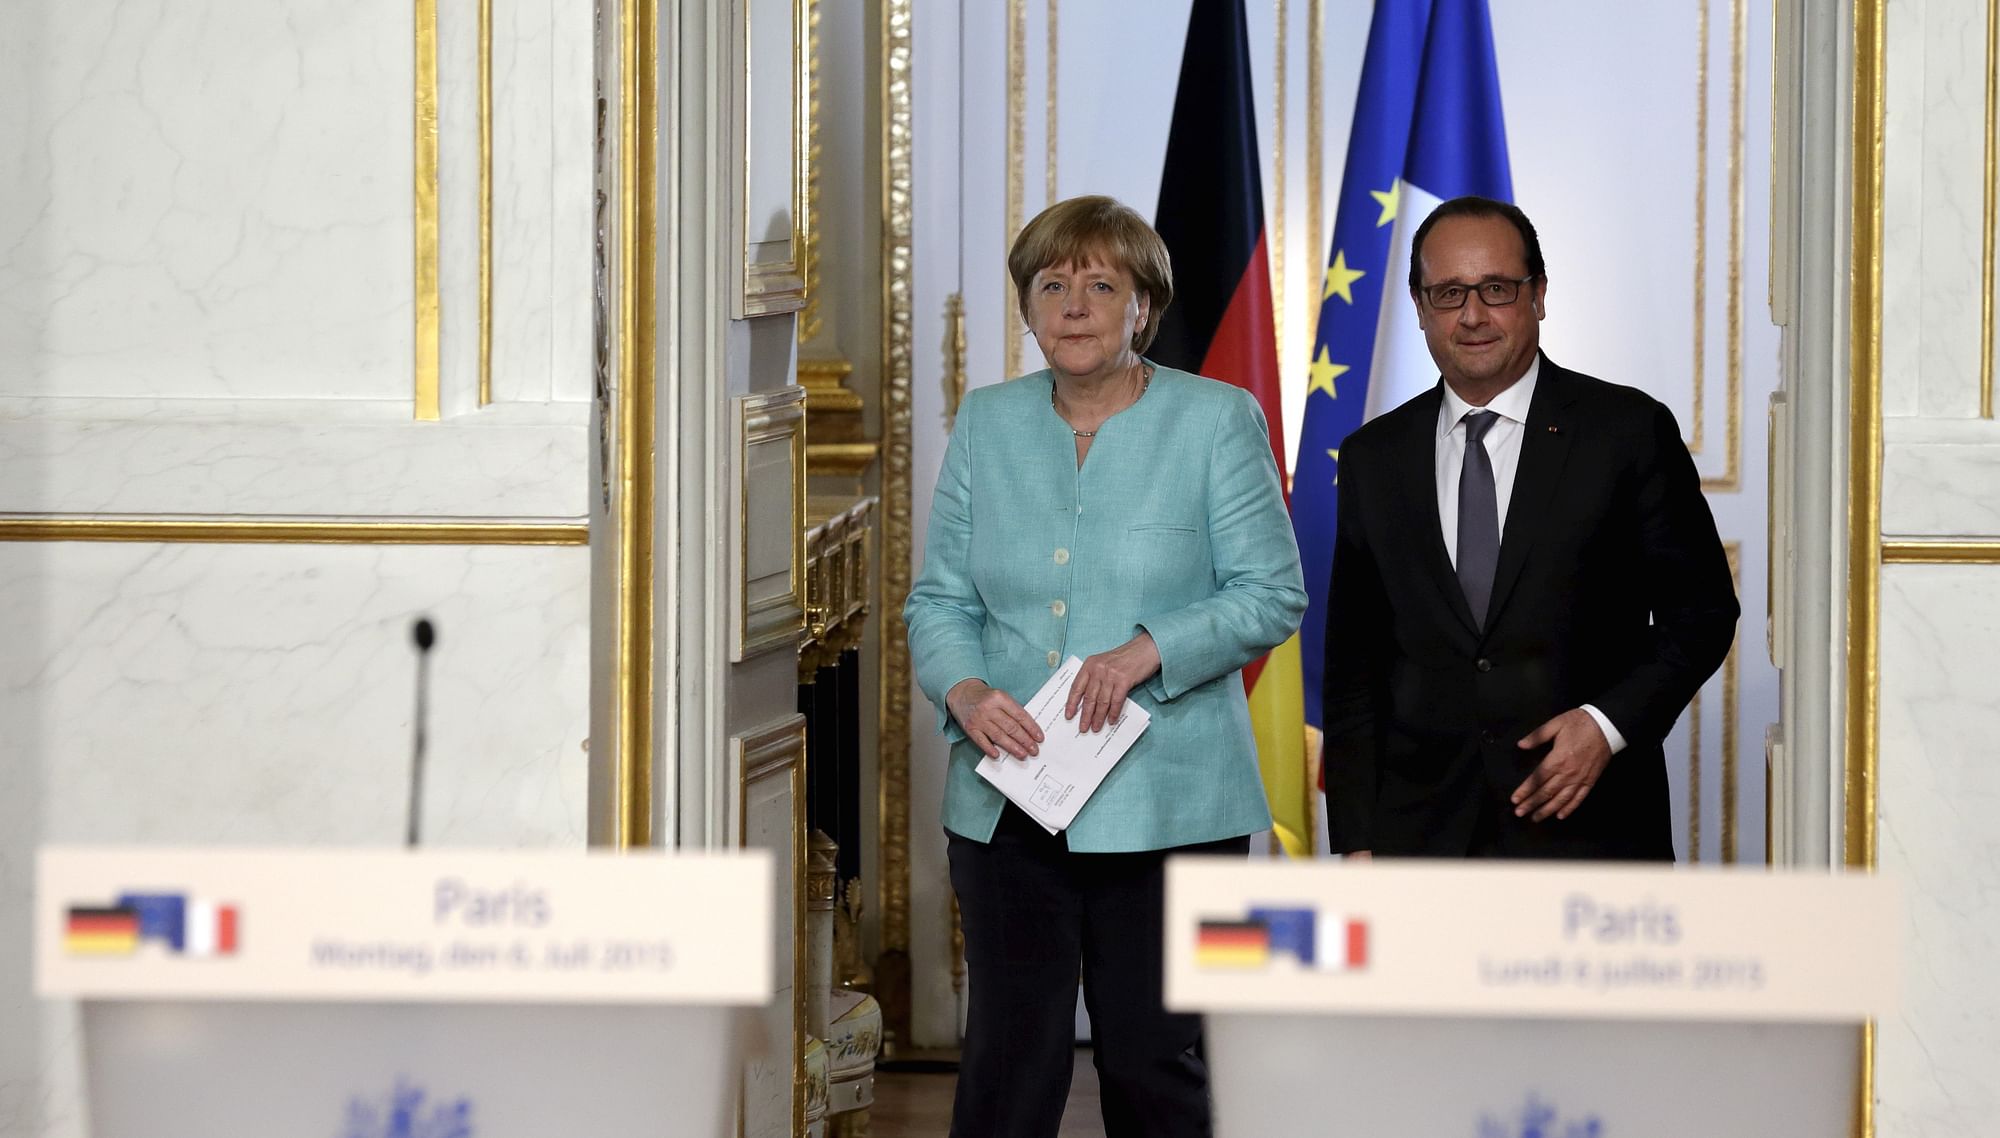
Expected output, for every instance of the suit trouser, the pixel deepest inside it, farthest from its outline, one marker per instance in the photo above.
(1033, 914)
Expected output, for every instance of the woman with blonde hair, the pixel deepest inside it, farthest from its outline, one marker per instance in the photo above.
(1130, 515)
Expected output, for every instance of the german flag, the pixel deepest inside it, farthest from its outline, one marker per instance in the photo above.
(101, 931)
(1232, 944)
(1222, 325)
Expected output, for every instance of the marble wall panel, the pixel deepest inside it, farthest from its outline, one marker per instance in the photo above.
(211, 199)
(265, 695)
(1938, 1059)
(332, 458)
(1941, 478)
(1903, 291)
(1954, 117)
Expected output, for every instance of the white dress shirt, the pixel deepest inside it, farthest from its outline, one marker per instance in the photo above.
(1503, 447)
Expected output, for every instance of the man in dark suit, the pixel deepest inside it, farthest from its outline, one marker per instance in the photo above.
(1527, 585)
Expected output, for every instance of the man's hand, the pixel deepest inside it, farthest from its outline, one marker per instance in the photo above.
(992, 720)
(1358, 855)
(1565, 775)
(1100, 689)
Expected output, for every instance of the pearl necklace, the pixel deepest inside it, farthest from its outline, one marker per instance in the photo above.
(1145, 383)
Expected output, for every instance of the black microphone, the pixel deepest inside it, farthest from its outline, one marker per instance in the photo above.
(425, 634)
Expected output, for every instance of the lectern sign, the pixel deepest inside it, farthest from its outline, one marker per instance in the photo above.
(402, 926)
(1519, 940)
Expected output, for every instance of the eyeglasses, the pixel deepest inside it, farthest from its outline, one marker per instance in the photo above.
(1492, 294)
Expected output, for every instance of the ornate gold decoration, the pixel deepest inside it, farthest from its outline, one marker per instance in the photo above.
(1731, 478)
(1731, 669)
(1698, 433)
(1992, 184)
(850, 967)
(1017, 133)
(1277, 249)
(809, 317)
(820, 872)
(836, 442)
(262, 532)
(427, 295)
(485, 202)
(954, 357)
(892, 969)
(957, 949)
(634, 475)
(1694, 778)
(1049, 103)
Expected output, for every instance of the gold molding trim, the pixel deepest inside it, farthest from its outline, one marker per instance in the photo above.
(427, 298)
(485, 202)
(780, 749)
(1049, 107)
(1864, 495)
(270, 532)
(954, 357)
(770, 623)
(1017, 133)
(1694, 779)
(809, 317)
(1992, 186)
(1315, 158)
(1731, 712)
(1277, 249)
(892, 973)
(1697, 438)
(634, 473)
(1941, 552)
(1731, 478)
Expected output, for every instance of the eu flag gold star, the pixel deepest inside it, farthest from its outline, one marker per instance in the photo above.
(1387, 198)
(1340, 279)
(1324, 372)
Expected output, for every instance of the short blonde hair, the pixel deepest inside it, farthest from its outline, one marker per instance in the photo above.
(1076, 231)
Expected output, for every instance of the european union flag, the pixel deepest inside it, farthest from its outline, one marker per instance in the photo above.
(1427, 126)
(1291, 930)
(162, 916)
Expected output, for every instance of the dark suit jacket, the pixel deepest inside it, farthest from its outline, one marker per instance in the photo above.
(1612, 590)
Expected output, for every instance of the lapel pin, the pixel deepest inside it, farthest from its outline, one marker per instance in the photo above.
(1554, 430)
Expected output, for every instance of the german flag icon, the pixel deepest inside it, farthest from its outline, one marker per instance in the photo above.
(94, 931)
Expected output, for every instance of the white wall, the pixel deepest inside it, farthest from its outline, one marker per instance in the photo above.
(207, 317)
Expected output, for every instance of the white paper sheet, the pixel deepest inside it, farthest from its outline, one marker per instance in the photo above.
(1052, 786)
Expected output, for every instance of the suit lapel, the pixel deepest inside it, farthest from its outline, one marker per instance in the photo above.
(1419, 478)
(1544, 451)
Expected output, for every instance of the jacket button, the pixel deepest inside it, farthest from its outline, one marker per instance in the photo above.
(1054, 659)
(1062, 556)
(1484, 664)
(1059, 608)
(1490, 736)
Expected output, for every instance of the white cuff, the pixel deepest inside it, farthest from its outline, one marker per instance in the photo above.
(1611, 734)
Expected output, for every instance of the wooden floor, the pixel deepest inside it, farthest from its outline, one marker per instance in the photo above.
(919, 1106)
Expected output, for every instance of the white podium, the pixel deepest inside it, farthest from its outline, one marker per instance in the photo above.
(375, 994)
(1504, 1001)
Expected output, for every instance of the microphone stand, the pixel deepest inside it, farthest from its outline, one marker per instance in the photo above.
(425, 635)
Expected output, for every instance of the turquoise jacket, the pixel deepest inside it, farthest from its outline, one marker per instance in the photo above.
(1175, 524)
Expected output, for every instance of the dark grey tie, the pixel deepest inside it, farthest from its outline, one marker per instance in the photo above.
(1478, 517)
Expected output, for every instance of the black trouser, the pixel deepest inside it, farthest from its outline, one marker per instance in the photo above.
(1033, 913)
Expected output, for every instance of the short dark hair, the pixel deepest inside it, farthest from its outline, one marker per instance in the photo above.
(1472, 205)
